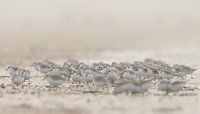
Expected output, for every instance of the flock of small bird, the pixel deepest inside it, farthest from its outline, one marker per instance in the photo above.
(124, 77)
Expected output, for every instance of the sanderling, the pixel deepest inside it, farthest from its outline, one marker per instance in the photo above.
(129, 75)
(50, 63)
(133, 86)
(99, 81)
(163, 74)
(112, 74)
(140, 86)
(116, 65)
(88, 76)
(123, 87)
(76, 77)
(42, 68)
(16, 71)
(55, 78)
(184, 70)
(18, 79)
(12, 70)
(171, 86)
(100, 67)
(158, 63)
(71, 63)
(24, 73)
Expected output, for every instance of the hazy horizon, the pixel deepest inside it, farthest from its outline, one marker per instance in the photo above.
(66, 27)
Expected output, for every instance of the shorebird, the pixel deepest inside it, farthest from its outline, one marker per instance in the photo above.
(71, 63)
(183, 70)
(55, 78)
(164, 74)
(12, 70)
(116, 65)
(112, 74)
(158, 63)
(140, 86)
(100, 67)
(129, 75)
(133, 87)
(123, 87)
(42, 68)
(18, 79)
(50, 63)
(17, 73)
(169, 87)
(24, 73)
(88, 76)
(99, 81)
(76, 77)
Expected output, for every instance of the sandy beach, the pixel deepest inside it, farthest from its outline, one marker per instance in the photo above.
(93, 31)
(69, 98)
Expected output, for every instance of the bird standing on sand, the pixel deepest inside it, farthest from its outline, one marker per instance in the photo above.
(76, 77)
(12, 70)
(55, 78)
(182, 70)
(18, 75)
(24, 73)
(112, 74)
(18, 79)
(129, 75)
(88, 76)
(99, 81)
(170, 87)
(133, 86)
(42, 68)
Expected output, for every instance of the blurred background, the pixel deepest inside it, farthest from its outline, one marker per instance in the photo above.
(60, 29)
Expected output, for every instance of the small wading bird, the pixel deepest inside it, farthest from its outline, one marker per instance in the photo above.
(17, 79)
(24, 73)
(76, 77)
(12, 70)
(55, 78)
(182, 70)
(18, 75)
(99, 81)
(170, 87)
(132, 87)
(88, 76)
(112, 75)
(42, 68)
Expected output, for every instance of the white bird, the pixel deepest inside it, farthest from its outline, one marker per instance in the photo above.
(55, 78)
(88, 76)
(24, 73)
(17, 79)
(132, 86)
(112, 74)
(140, 86)
(76, 77)
(18, 75)
(182, 70)
(171, 86)
(12, 70)
(129, 75)
(99, 81)
(123, 87)
(42, 68)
